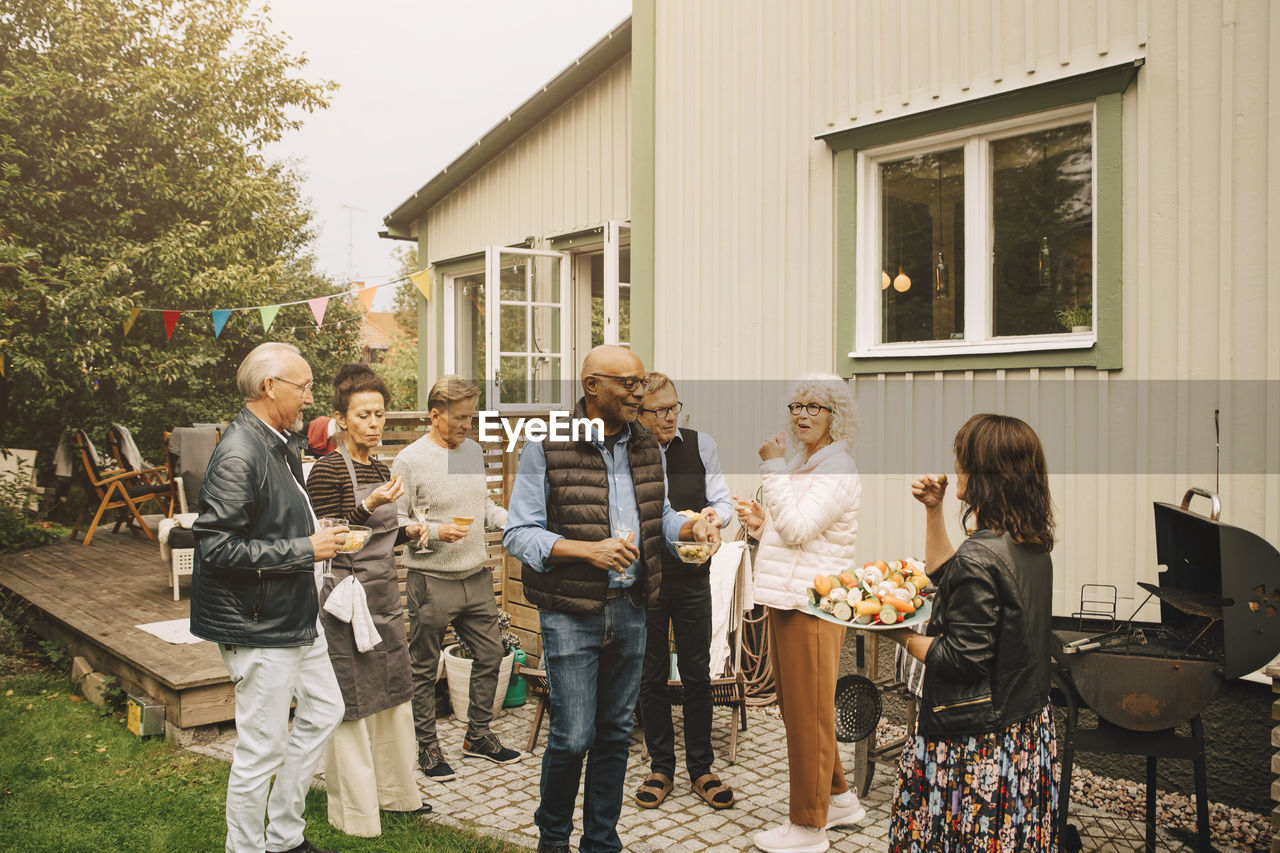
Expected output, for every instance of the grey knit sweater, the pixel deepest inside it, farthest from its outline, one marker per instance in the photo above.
(452, 482)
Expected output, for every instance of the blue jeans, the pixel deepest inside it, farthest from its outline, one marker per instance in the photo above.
(593, 665)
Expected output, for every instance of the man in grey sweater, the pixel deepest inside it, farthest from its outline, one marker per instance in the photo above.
(447, 581)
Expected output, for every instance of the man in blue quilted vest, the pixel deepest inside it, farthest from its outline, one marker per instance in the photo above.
(589, 520)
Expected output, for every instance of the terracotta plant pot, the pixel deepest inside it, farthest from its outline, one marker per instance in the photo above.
(458, 674)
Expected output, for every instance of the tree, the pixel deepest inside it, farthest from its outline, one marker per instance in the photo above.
(400, 367)
(132, 175)
(407, 294)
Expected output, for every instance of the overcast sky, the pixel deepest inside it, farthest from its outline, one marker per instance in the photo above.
(420, 81)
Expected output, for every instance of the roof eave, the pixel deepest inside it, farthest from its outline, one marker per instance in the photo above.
(602, 55)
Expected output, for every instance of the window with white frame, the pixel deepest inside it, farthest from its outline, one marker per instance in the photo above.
(979, 239)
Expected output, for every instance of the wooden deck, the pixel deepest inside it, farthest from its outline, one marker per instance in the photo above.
(90, 599)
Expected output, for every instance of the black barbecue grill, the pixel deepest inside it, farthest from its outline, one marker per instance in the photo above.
(1219, 595)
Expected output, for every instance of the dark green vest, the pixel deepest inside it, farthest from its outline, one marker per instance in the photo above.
(578, 508)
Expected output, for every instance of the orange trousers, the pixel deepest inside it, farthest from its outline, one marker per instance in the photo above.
(806, 660)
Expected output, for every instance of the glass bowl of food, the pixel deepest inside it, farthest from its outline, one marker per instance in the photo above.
(357, 536)
(695, 553)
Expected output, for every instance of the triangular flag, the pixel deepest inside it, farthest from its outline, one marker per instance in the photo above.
(219, 320)
(318, 306)
(422, 280)
(268, 316)
(133, 315)
(366, 296)
(170, 320)
(2, 343)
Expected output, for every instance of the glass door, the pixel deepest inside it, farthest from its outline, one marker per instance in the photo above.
(528, 329)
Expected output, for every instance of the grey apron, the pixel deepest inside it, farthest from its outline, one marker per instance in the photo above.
(378, 679)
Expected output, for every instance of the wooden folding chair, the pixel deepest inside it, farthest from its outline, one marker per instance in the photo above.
(115, 489)
(118, 439)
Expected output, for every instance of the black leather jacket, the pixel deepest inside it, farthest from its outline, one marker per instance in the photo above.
(254, 579)
(989, 664)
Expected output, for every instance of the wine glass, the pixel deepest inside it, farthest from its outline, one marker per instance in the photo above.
(622, 521)
(464, 521)
(420, 510)
(328, 564)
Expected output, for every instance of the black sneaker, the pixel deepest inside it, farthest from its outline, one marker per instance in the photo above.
(488, 746)
(434, 766)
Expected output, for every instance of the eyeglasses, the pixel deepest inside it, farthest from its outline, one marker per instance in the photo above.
(810, 409)
(664, 412)
(628, 383)
(305, 389)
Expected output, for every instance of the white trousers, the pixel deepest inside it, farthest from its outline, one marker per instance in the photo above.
(266, 681)
(368, 768)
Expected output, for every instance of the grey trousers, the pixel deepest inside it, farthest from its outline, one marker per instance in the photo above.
(470, 605)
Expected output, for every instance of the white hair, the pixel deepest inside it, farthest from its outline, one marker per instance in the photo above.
(261, 364)
(827, 389)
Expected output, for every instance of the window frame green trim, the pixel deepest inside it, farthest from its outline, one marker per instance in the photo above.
(1105, 88)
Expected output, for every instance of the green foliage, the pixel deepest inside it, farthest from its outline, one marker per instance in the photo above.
(54, 655)
(132, 175)
(400, 368)
(114, 699)
(1080, 315)
(71, 779)
(407, 294)
(17, 531)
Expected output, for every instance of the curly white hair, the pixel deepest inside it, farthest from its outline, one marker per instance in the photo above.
(827, 389)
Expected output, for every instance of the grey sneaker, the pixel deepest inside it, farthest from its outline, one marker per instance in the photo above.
(488, 746)
(434, 766)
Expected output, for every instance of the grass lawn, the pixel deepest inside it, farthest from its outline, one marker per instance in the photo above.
(72, 779)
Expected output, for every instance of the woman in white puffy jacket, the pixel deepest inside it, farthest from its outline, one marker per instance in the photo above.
(810, 528)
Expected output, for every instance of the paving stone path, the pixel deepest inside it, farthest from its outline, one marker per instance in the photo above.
(499, 800)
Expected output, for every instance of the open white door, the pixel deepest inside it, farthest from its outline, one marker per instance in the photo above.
(528, 330)
(617, 283)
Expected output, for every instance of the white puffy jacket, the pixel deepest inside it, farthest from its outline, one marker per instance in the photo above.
(811, 524)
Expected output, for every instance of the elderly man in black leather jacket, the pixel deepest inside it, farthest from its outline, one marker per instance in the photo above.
(254, 593)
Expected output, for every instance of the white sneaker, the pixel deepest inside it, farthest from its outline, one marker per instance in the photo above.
(845, 810)
(793, 838)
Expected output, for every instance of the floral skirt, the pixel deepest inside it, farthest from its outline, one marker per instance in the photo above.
(991, 792)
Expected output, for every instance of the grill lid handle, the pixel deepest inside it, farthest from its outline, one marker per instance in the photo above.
(1215, 513)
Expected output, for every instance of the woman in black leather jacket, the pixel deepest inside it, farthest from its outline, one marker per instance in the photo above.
(981, 771)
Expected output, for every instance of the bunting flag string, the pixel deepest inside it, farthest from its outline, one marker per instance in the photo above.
(318, 306)
(422, 280)
(359, 293)
(269, 313)
(133, 315)
(219, 320)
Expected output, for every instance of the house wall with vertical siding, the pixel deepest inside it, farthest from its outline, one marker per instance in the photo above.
(745, 241)
(570, 171)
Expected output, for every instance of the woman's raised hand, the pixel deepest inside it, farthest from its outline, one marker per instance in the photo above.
(774, 448)
(750, 515)
(387, 493)
(929, 489)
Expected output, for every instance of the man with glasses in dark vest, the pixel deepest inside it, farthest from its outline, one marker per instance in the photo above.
(589, 520)
(695, 484)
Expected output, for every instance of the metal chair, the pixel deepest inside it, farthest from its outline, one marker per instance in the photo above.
(114, 489)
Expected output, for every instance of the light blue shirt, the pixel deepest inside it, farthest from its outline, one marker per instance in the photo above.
(527, 537)
(717, 489)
